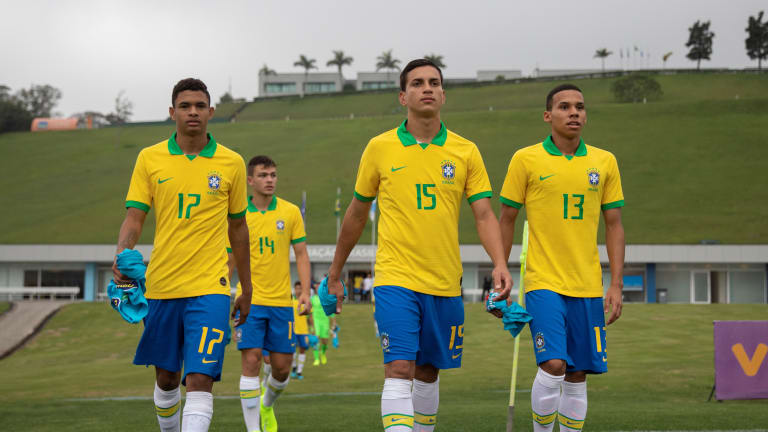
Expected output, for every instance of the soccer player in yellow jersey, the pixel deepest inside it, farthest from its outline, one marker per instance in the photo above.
(420, 172)
(302, 334)
(275, 225)
(198, 190)
(565, 185)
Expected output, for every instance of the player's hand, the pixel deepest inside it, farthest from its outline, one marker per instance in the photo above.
(242, 305)
(119, 277)
(306, 303)
(502, 284)
(336, 288)
(613, 302)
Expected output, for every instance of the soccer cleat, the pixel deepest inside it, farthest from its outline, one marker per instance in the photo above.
(323, 359)
(316, 362)
(299, 376)
(293, 374)
(268, 420)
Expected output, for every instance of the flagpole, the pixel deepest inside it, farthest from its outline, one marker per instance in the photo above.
(338, 212)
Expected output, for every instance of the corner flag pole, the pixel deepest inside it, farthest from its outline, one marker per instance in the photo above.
(521, 302)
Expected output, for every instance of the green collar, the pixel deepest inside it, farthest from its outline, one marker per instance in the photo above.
(408, 140)
(272, 205)
(208, 151)
(552, 149)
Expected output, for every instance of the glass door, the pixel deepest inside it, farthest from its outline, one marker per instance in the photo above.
(700, 286)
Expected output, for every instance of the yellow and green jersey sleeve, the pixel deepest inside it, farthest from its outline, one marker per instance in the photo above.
(192, 197)
(563, 197)
(420, 187)
(272, 232)
(300, 322)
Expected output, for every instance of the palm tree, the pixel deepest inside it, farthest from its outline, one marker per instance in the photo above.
(266, 71)
(436, 59)
(307, 64)
(340, 61)
(602, 53)
(386, 61)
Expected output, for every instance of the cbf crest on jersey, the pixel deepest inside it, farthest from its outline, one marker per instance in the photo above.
(214, 182)
(280, 224)
(593, 177)
(448, 171)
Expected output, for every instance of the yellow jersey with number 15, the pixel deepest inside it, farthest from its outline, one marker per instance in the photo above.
(192, 197)
(420, 187)
(563, 198)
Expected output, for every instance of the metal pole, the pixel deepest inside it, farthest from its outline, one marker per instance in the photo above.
(516, 351)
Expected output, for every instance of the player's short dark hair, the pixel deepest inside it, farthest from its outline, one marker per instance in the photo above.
(192, 84)
(296, 283)
(260, 160)
(413, 64)
(558, 89)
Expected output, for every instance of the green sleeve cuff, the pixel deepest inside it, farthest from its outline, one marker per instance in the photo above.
(229, 250)
(237, 215)
(299, 240)
(137, 204)
(615, 204)
(510, 203)
(364, 198)
(477, 196)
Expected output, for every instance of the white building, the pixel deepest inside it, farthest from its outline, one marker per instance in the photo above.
(286, 84)
(493, 75)
(377, 80)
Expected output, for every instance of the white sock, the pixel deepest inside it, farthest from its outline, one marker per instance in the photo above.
(545, 396)
(249, 400)
(167, 404)
(267, 368)
(273, 391)
(295, 359)
(300, 366)
(397, 405)
(198, 411)
(573, 406)
(426, 398)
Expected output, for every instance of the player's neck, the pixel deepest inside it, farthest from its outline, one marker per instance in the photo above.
(261, 201)
(566, 145)
(191, 144)
(424, 129)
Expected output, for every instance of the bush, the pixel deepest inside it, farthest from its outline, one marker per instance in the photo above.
(636, 88)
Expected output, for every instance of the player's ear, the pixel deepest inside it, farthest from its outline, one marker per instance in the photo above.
(548, 116)
(402, 98)
(172, 113)
(210, 111)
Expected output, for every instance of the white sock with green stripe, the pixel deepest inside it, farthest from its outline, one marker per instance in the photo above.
(397, 405)
(274, 390)
(545, 397)
(249, 400)
(167, 404)
(573, 406)
(426, 398)
(198, 411)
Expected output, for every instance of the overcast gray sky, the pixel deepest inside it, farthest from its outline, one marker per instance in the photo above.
(91, 50)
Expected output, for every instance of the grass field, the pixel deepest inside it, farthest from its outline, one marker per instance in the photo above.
(691, 164)
(660, 374)
(4, 306)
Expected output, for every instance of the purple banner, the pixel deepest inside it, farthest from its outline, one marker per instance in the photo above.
(741, 360)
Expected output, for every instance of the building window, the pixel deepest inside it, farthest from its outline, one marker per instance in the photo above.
(747, 286)
(31, 278)
(676, 284)
(280, 88)
(376, 85)
(320, 87)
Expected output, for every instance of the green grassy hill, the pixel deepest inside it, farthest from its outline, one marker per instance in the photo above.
(660, 373)
(692, 164)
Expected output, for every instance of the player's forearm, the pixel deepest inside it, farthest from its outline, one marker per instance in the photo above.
(351, 229)
(488, 231)
(130, 230)
(507, 225)
(614, 243)
(238, 239)
(304, 268)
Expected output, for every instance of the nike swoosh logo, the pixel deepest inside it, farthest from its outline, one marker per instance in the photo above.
(542, 178)
(159, 181)
(398, 169)
(397, 419)
(206, 361)
(456, 356)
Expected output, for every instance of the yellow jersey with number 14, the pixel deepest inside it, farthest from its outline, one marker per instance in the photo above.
(192, 197)
(272, 233)
(563, 198)
(420, 187)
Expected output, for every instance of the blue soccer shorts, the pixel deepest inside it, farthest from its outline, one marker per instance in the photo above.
(302, 340)
(422, 327)
(568, 328)
(269, 328)
(191, 332)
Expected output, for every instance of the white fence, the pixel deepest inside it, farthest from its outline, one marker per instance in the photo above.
(34, 293)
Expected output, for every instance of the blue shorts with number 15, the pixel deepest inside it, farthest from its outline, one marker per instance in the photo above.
(422, 327)
(190, 332)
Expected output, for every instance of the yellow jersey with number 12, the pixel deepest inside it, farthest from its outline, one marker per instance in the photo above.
(272, 232)
(192, 197)
(563, 198)
(420, 187)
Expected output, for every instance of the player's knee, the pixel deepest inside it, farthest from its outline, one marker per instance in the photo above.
(167, 380)
(553, 367)
(426, 373)
(199, 382)
(402, 369)
(576, 376)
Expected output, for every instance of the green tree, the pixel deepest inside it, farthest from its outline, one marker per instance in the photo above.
(387, 62)
(265, 71)
(602, 53)
(39, 100)
(700, 42)
(340, 60)
(436, 59)
(636, 88)
(757, 41)
(123, 110)
(307, 64)
(226, 98)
